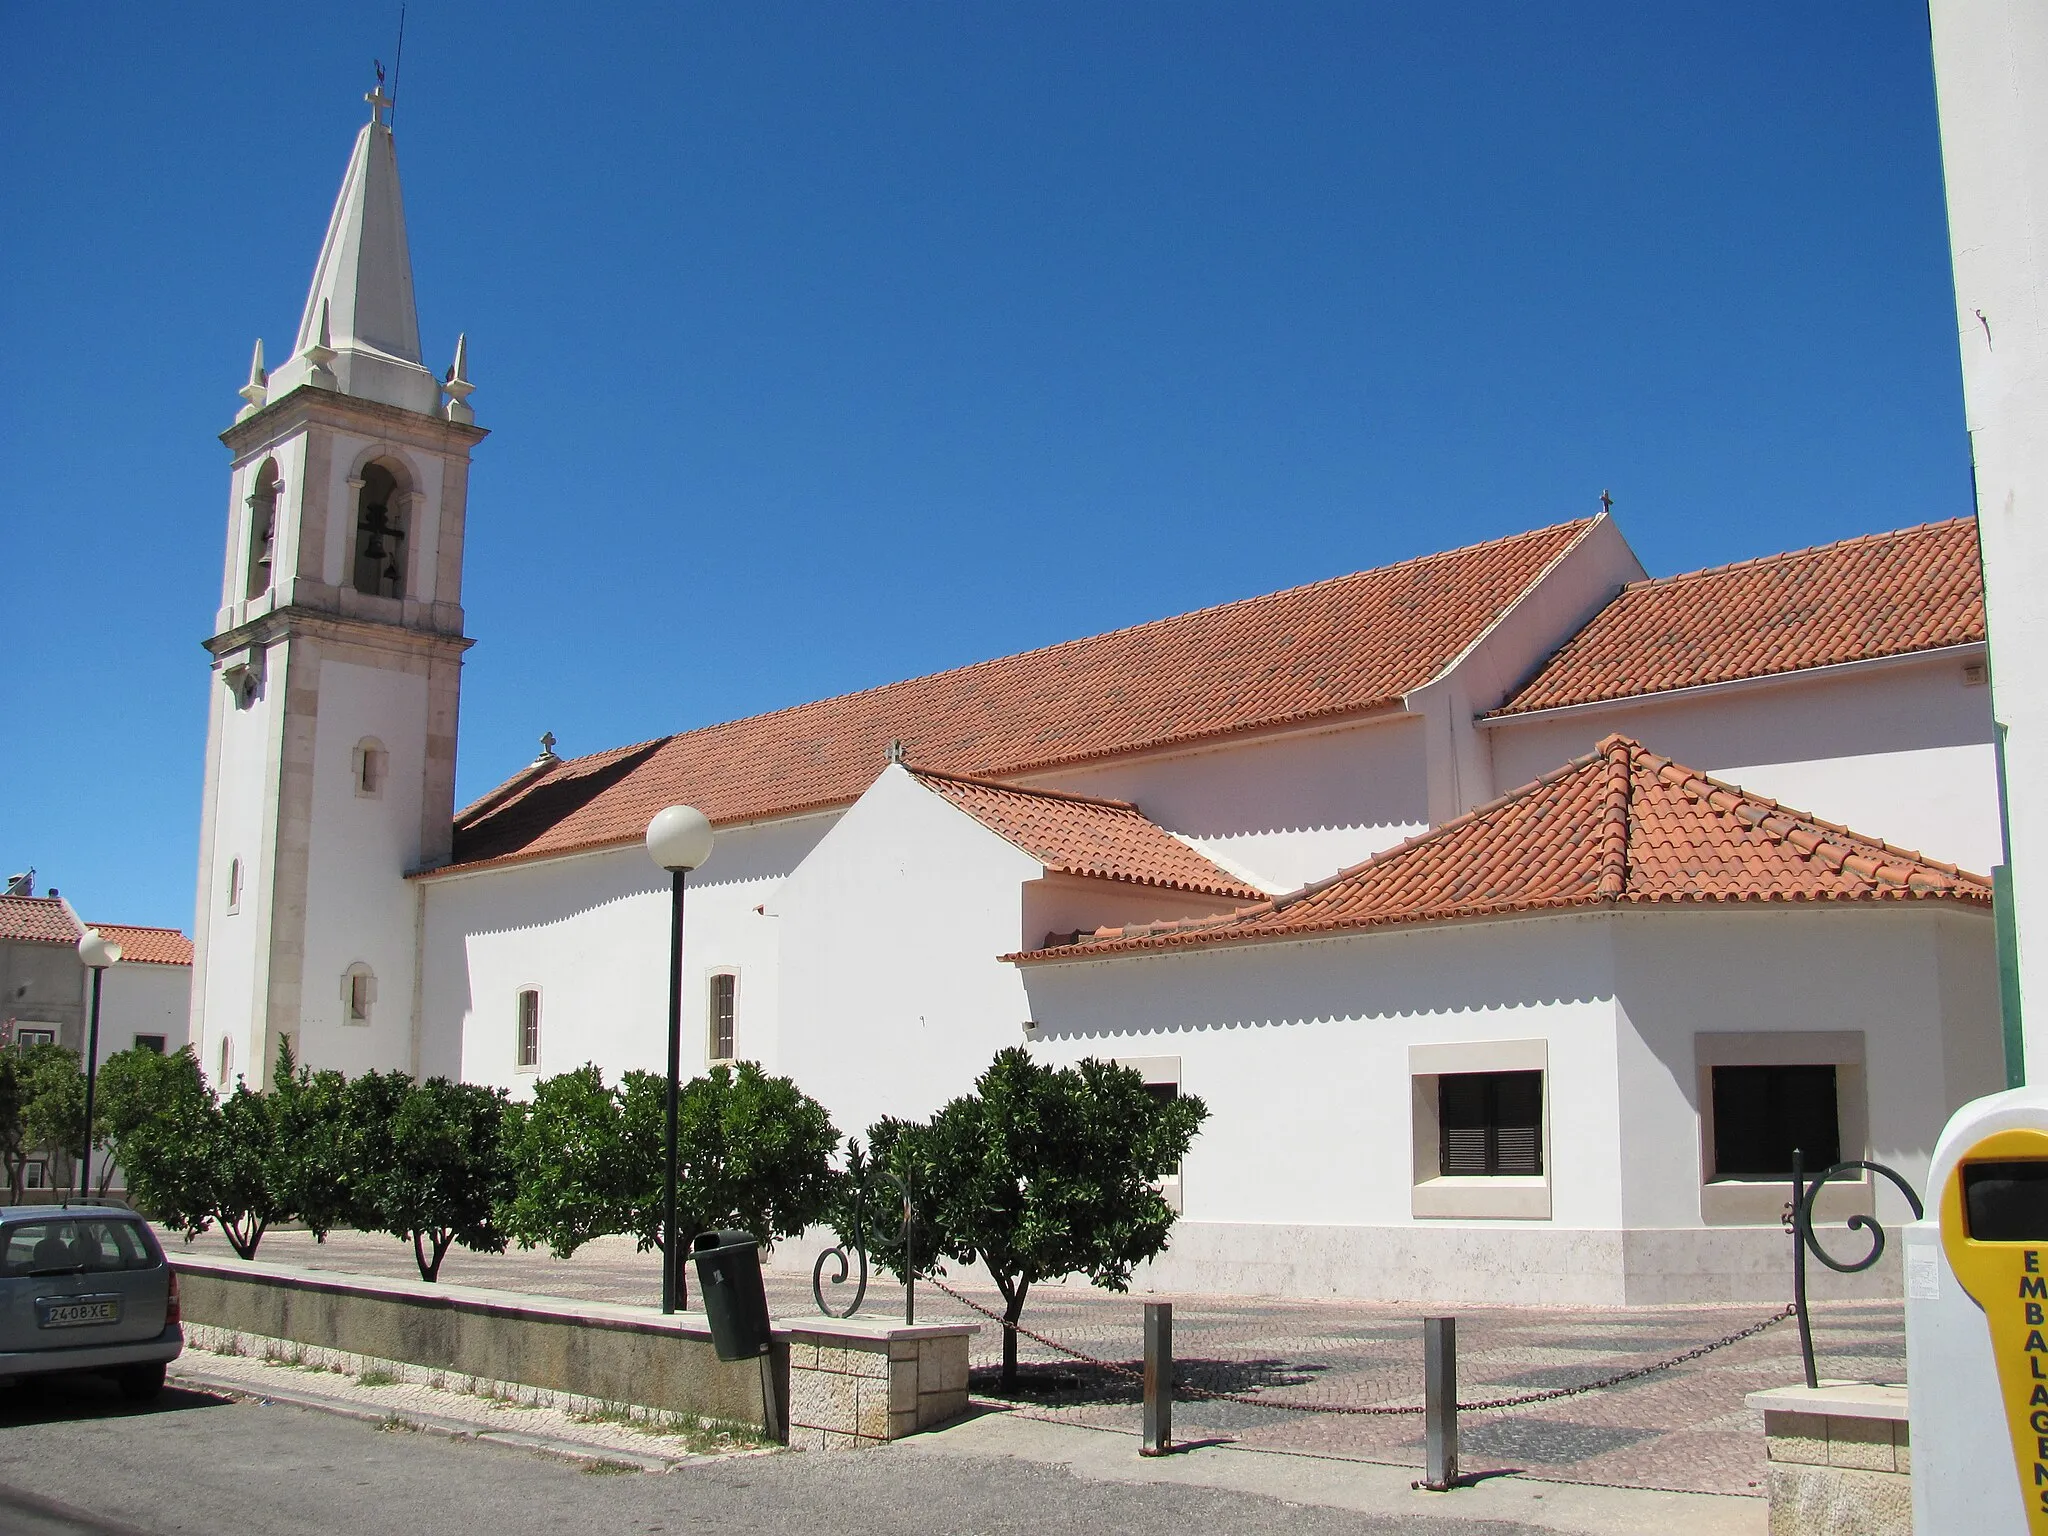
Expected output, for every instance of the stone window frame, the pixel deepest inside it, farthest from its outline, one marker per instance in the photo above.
(519, 996)
(1160, 1072)
(1762, 1202)
(711, 1042)
(46, 1033)
(1434, 1196)
(369, 768)
(358, 995)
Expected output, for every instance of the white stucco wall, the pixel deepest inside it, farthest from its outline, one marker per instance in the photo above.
(591, 932)
(359, 906)
(1279, 810)
(1900, 751)
(137, 999)
(229, 977)
(893, 1000)
(1991, 81)
(1301, 1182)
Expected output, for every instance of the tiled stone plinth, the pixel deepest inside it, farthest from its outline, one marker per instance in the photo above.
(1840, 1460)
(859, 1381)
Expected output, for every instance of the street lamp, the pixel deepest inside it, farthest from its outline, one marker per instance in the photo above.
(678, 840)
(98, 954)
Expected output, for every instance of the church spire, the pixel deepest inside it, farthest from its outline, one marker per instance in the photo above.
(362, 285)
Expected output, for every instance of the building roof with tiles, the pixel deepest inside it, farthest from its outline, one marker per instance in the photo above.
(38, 919)
(1341, 647)
(1079, 835)
(50, 920)
(1620, 825)
(147, 946)
(1887, 594)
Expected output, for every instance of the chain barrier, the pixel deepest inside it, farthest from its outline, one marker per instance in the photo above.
(1373, 1410)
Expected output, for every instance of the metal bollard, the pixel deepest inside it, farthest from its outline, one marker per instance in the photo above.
(1440, 1403)
(1158, 1379)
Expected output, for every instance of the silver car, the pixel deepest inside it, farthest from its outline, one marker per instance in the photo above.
(86, 1288)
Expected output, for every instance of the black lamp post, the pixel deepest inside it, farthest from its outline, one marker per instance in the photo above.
(679, 840)
(98, 954)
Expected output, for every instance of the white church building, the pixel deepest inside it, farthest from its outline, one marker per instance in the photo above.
(1434, 881)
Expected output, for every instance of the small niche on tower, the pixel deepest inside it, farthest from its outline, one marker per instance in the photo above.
(380, 535)
(262, 529)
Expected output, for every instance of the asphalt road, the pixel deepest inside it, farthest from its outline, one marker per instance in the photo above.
(76, 1461)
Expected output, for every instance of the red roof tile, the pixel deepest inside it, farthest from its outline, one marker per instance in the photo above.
(1337, 647)
(1079, 835)
(147, 946)
(1887, 594)
(1619, 825)
(39, 919)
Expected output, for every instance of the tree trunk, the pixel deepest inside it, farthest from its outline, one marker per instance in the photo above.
(430, 1269)
(1013, 1312)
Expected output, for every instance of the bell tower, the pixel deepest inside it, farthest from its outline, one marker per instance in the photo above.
(337, 661)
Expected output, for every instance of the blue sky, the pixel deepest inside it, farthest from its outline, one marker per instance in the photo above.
(824, 345)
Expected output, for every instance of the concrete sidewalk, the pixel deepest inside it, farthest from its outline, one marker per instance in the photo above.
(1365, 1488)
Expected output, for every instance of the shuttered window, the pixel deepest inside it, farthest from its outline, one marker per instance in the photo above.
(1491, 1124)
(529, 1028)
(724, 993)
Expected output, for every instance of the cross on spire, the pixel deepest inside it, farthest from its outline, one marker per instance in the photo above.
(379, 102)
(1606, 502)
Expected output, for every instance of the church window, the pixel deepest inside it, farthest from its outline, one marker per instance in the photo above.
(227, 1060)
(379, 563)
(358, 994)
(234, 886)
(529, 1028)
(724, 998)
(262, 530)
(1491, 1124)
(368, 768)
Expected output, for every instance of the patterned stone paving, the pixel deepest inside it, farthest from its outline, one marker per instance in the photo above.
(1684, 1429)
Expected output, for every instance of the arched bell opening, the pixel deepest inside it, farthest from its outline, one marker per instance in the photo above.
(262, 530)
(380, 544)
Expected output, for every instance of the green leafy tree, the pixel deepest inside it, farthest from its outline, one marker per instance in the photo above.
(310, 1159)
(428, 1163)
(160, 1123)
(237, 1177)
(13, 1137)
(53, 1099)
(753, 1152)
(566, 1164)
(1038, 1174)
(142, 1094)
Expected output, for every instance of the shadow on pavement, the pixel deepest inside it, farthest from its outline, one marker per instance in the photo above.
(59, 1399)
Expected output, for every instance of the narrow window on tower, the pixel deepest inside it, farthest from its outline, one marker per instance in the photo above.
(724, 998)
(367, 768)
(358, 994)
(529, 1028)
(379, 564)
(234, 886)
(262, 530)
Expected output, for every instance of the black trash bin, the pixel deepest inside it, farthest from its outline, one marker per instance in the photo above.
(735, 1304)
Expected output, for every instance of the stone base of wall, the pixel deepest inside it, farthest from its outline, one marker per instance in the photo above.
(1841, 1460)
(837, 1381)
(1532, 1264)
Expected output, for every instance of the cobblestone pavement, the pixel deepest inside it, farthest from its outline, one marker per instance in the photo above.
(1685, 1429)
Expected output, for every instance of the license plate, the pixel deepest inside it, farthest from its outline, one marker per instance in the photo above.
(77, 1311)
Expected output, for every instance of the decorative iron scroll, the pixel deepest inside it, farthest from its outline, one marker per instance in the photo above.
(861, 1175)
(1799, 1217)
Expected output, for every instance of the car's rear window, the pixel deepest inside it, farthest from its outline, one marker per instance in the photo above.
(74, 1245)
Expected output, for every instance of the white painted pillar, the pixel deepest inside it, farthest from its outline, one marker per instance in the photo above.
(1991, 79)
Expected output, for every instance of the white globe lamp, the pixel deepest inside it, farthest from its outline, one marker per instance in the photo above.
(679, 838)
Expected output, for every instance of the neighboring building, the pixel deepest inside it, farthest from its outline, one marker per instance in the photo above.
(898, 873)
(46, 990)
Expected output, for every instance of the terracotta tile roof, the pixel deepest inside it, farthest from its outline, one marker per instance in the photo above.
(1619, 825)
(1886, 594)
(1336, 647)
(148, 946)
(39, 919)
(1078, 835)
